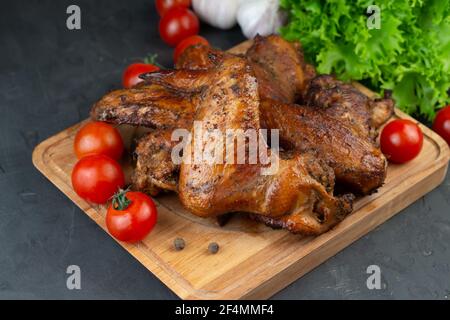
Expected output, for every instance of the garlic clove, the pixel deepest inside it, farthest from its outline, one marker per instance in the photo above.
(217, 13)
(261, 17)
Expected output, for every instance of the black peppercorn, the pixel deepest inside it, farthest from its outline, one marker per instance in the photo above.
(213, 247)
(179, 244)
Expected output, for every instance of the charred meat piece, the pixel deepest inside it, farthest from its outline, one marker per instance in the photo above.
(277, 64)
(199, 57)
(344, 102)
(358, 165)
(203, 58)
(381, 110)
(146, 105)
(281, 62)
(294, 196)
(351, 116)
(345, 143)
(338, 131)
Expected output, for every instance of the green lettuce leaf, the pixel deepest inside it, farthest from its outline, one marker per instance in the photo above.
(409, 54)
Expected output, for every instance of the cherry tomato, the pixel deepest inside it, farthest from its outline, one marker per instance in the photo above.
(442, 123)
(401, 140)
(186, 43)
(131, 216)
(96, 178)
(131, 75)
(98, 138)
(162, 6)
(178, 24)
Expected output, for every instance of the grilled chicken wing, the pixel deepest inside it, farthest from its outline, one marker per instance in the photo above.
(277, 64)
(199, 57)
(336, 128)
(294, 197)
(280, 62)
(146, 105)
(344, 102)
(358, 165)
(362, 169)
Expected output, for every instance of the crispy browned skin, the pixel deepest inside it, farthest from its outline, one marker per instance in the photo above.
(358, 165)
(339, 133)
(299, 197)
(292, 196)
(203, 58)
(344, 102)
(280, 63)
(199, 57)
(345, 124)
(337, 125)
(152, 173)
(352, 121)
(362, 169)
(146, 105)
(278, 66)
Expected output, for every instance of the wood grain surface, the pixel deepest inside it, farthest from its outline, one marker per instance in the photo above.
(253, 261)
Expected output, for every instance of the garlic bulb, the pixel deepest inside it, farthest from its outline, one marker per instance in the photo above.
(218, 13)
(261, 17)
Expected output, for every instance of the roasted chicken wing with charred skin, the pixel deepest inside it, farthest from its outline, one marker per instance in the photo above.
(199, 57)
(332, 136)
(344, 102)
(339, 133)
(136, 106)
(362, 171)
(294, 197)
(146, 105)
(277, 64)
(281, 62)
(359, 166)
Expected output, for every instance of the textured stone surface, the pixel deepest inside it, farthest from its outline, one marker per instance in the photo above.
(49, 76)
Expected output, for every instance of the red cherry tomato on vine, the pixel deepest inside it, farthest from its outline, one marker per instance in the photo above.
(97, 178)
(178, 24)
(162, 6)
(131, 216)
(442, 123)
(98, 138)
(133, 71)
(186, 43)
(401, 140)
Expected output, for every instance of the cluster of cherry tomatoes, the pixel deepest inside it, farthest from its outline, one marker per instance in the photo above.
(178, 27)
(98, 177)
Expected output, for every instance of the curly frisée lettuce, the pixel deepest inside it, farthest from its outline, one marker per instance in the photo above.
(409, 54)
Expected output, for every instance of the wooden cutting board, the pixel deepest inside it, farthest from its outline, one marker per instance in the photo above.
(254, 261)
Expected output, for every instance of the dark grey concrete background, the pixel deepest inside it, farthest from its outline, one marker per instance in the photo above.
(49, 77)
